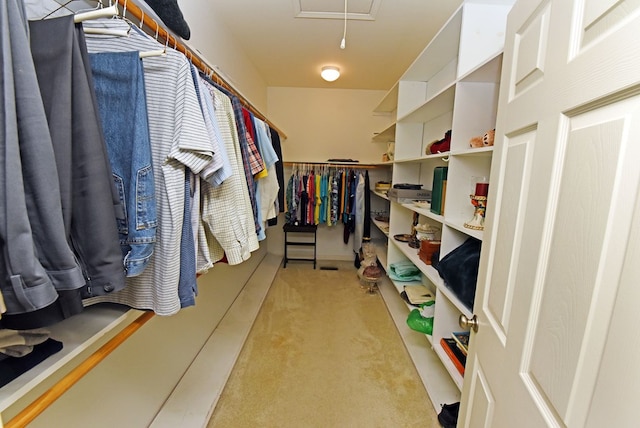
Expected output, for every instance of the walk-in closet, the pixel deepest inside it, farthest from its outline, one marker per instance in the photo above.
(294, 213)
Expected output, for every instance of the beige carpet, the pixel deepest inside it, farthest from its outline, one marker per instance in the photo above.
(323, 353)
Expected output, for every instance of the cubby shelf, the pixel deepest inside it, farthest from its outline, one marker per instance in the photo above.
(452, 85)
(382, 226)
(386, 135)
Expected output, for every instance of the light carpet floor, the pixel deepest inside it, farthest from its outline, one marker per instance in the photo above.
(323, 353)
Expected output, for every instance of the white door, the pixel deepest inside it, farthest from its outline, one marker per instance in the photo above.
(559, 282)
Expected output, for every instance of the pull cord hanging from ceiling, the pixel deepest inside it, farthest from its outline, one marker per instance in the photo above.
(343, 43)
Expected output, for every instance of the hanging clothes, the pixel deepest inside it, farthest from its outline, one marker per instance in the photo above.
(335, 198)
(318, 198)
(38, 263)
(324, 178)
(267, 186)
(291, 203)
(218, 169)
(215, 173)
(119, 85)
(311, 186)
(304, 200)
(275, 140)
(90, 202)
(366, 231)
(359, 213)
(178, 140)
(251, 161)
(187, 284)
(255, 152)
(227, 213)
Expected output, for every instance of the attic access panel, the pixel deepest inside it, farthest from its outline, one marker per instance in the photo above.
(365, 10)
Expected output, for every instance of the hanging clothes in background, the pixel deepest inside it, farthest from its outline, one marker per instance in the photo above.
(304, 199)
(350, 200)
(330, 195)
(275, 140)
(311, 186)
(366, 230)
(335, 197)
(359, 212)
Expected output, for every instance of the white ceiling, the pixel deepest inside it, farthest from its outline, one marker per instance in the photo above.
(289, 51)
(288, 41)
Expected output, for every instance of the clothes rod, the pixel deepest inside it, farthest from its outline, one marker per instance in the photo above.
(171, 41)
(354, 165)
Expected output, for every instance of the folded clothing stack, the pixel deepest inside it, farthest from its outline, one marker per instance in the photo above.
(404, 272)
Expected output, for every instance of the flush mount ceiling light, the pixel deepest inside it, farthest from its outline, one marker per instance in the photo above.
(330, 73)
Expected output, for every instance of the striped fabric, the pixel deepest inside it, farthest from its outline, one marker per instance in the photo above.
(179, 139)
(217, 162)
(206, 103)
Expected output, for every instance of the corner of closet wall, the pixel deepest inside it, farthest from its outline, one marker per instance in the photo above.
(212, 39)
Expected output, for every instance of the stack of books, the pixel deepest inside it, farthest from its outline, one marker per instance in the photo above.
(456, 348)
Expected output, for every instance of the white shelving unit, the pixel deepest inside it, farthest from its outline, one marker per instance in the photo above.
(387, 106)
(380, 201)
(452, 85)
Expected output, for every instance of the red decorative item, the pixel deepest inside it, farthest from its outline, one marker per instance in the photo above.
(482, 189)
(443, 145)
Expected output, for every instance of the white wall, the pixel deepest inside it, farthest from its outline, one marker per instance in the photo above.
(213, 41)
(327, 123)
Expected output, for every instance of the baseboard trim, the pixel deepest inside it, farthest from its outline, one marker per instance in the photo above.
(194, 398)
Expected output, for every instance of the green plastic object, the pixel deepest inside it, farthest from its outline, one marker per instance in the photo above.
(422, 319)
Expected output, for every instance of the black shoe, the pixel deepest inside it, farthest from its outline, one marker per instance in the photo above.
(448, 416)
